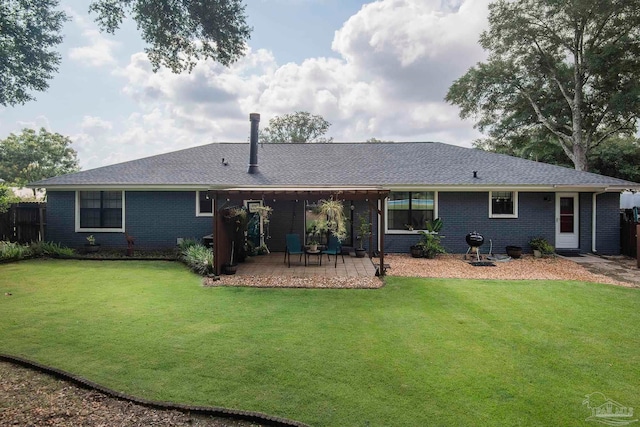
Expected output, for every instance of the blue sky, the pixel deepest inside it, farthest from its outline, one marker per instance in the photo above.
(373, 69)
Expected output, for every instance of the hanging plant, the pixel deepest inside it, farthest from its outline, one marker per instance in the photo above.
(264, 212)
(336, 219)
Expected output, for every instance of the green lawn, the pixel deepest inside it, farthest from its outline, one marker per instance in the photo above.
(417, 352)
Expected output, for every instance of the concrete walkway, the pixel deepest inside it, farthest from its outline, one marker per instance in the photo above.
(620, 268)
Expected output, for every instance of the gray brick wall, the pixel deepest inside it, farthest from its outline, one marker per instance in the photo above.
(464, 212)
(608, 223)
(156, 219)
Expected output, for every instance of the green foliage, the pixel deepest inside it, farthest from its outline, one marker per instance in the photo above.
(364, 229)
(541, 244)
(32, 156)
(30, 31)
(617, 157)
(186, 244)
(51, 249)
(300, 126)
(198, 258)
(7, 198)
(333, 211)
(14, 251)
(566, 72)
(181, 32)
(466, 344)
(430, 239)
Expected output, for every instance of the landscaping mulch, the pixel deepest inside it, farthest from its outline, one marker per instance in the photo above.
(29, 398)
(524, 268)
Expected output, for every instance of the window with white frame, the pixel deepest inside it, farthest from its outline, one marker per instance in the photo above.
(99, 211)
(204, 204)
(410, 210)
(503, 204)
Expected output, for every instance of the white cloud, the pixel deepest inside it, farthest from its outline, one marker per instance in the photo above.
(99, 50)
(398, 58)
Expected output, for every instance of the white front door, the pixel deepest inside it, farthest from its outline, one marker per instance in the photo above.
(567, 221)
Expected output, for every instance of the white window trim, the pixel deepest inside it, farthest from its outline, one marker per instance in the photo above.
(99, 230)
(408, 232)
(198, 213)
(515, 206)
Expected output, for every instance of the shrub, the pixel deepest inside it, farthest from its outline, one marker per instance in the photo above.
(430, 239)
(186, 244)
(51, 249)
(541, 244)
(14, 251)
(198, 258)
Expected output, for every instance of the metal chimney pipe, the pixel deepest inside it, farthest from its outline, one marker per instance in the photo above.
(254, 118)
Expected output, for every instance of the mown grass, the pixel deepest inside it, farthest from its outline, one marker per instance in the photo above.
(416, 352)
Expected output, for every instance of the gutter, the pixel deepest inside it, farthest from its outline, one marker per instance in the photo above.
(593, 220)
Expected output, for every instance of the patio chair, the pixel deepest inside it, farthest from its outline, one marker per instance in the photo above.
(294, 247)
(334, 248)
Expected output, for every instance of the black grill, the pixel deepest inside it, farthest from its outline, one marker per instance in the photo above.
(474, 239)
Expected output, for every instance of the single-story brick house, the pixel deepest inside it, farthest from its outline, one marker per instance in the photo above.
(163, 198)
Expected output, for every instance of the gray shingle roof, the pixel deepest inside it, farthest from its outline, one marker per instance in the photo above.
(335, 164)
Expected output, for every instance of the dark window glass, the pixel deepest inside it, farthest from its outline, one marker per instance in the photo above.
(100, 209)
(566, 215)
(205, 203)
(502, 203)
(410, 210)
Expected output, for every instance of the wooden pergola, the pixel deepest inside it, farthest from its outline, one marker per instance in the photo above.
(376, 198)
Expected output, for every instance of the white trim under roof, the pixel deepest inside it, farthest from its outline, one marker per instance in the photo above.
(394, 187)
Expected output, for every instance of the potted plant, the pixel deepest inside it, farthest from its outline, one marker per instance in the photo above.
(231, 267)
(91, 246)
(541, 247)
(315, 230)
(514, 252)
(364, 230)
(430, 239)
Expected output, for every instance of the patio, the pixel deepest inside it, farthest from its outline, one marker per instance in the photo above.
(273, 265)
(271, 271)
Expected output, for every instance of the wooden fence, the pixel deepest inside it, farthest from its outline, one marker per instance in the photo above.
(23, 222)
(628, 237)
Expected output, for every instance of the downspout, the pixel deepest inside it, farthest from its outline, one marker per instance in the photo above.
(593, 220)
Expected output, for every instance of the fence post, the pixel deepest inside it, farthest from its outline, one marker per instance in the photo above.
(638, 245)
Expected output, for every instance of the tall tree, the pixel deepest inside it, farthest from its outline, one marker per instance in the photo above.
(568, 69)
(30, 30)
(300, 126)
(617, 157)
(179, 34)
(32, 156)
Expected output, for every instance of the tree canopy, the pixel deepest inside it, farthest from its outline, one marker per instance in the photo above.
(30, 31)
(179, 33)
(31, 156)
(560, 71)
(300, 126)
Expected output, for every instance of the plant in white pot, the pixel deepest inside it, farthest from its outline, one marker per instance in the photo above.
(91, 246)
(541, 247)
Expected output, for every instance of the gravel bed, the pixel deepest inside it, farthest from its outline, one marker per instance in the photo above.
(29, 398)
(296, 282)
(444, 266)
(525, 268)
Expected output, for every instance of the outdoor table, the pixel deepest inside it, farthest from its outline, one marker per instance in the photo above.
(308, 253)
